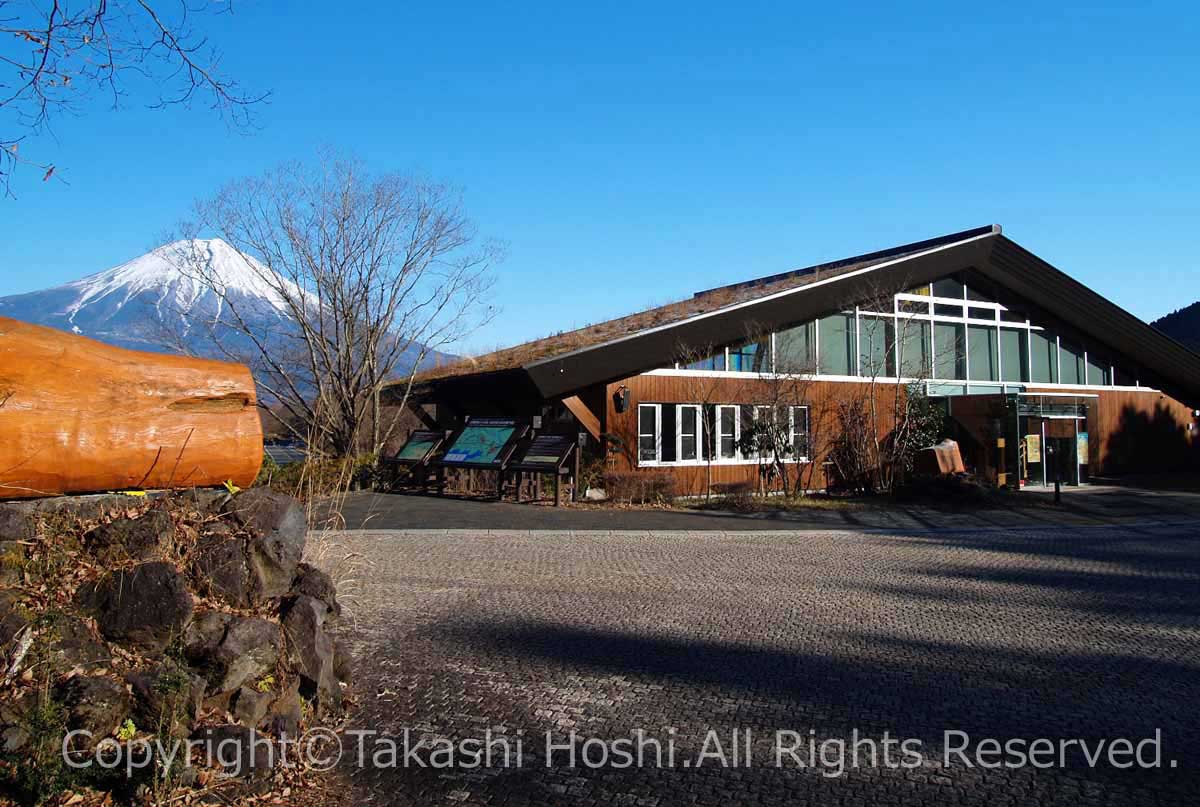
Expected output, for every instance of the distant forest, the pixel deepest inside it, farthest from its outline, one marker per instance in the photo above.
(1182, 325)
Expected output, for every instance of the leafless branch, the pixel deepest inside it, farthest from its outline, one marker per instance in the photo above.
(55, 56)
(369, 275)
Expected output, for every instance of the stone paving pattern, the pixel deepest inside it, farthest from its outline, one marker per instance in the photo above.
(1070, 632)
(1093, 504)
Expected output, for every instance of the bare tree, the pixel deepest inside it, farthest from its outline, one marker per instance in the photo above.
(881, 426)
(781, 396)
(57, 55)
(370, 275)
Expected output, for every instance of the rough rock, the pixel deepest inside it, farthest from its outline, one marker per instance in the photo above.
(166, 698)
(126, 538)
(312, 651)
(283, 717)
(250, 706)
(248, 651)
(343, 662)
(144, 607)
(203, 634)
(220, 568)
(16, 523)
(312, 582)
(95, 704)
(206, 501)
(13, 719)
(71, 643)
(64, 641)
(241, 751)
(278, 532)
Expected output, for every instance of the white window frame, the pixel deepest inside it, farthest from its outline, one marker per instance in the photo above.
(720, 434)
(995, 321)
(699, 410)
(657, 434)
(792, 428)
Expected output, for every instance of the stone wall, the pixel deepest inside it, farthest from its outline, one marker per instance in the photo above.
(189, 616)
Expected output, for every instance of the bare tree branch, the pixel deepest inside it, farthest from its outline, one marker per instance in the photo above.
(369, 275)
(55, 56)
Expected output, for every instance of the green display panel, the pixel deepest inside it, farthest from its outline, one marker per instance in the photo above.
(483, 442)
(419, 446)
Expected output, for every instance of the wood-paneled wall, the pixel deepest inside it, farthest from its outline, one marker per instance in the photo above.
(821, 397)
(1129, 430)
(1139, 431)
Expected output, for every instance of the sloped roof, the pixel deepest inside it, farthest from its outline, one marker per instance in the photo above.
(702, 302)
(608, 351)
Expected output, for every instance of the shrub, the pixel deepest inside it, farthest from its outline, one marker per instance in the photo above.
(318, 477)
(640, 487)
(738, 496)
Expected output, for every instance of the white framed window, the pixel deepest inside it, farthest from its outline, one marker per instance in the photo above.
(728, 430)
(689, 446)
(649, 433)
(799, 425)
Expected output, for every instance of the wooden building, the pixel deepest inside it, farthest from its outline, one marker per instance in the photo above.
(1037, 373)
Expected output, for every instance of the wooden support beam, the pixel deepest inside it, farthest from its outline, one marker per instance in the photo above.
(585, 416)
(425, 418)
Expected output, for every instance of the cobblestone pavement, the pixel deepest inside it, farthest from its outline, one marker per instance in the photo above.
(1092, 504)
(1074, 632)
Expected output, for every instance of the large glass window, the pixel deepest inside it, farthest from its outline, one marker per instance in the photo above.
(727, 432)
(795, 349)
(1014, 355)
(753, 357)
(648, 432)
(949, 350)
(981, 343)
(1099, 371)
(914, 348)
(1043, 360)
(949, 287)
(1070, 362)
(713, 362)
(688, 418)
(836, 337)
(965, 336)
(877, 346)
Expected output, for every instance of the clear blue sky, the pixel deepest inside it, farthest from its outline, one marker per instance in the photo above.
(633, 154)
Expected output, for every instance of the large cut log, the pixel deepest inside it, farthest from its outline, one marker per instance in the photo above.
(80, 416)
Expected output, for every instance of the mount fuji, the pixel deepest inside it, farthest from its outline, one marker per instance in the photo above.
(150, 303)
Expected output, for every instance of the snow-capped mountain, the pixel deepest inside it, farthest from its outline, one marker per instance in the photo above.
(150, 302)
(164, 300)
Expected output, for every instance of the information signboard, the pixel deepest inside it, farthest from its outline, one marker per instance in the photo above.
(547, 452)
(1033, 448)
(484, 443)
(419, 446)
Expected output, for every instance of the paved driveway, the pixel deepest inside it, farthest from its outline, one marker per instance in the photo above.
(1085, 633)
(1087, 505)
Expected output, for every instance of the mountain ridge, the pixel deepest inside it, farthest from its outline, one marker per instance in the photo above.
(1182, 325)
(150, 303)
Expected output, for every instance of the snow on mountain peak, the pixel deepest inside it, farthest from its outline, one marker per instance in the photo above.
(180, 274)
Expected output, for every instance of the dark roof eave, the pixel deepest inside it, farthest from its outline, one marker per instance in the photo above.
(1019, 270)
(656, 347)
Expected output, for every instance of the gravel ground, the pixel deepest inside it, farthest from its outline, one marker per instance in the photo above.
(1063, 633)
